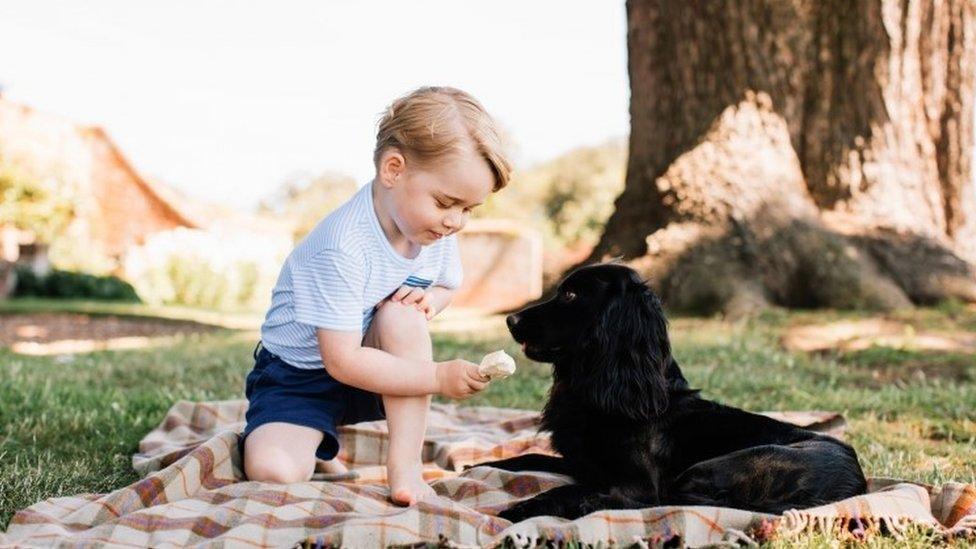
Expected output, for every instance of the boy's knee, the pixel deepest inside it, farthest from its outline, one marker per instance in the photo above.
(278, 466)
(395, 318)
(401, 330)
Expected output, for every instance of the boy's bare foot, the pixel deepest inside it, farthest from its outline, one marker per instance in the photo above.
(332, 467)
(407, 485)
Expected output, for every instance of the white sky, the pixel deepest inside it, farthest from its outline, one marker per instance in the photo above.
(227, 99)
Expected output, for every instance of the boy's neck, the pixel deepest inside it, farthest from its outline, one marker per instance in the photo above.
(397, 239)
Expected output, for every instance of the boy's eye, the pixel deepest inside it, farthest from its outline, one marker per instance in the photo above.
(442, 205)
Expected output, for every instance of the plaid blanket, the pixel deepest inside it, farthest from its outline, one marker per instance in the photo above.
(193, 493)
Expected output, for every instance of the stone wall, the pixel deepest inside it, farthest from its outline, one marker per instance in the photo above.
(502, 265)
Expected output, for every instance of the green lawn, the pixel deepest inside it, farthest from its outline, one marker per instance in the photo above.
(70, 424)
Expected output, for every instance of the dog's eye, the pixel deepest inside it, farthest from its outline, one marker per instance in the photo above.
(567, 296)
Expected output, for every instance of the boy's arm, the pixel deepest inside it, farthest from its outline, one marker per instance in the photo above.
(348, 361)
(372, 369)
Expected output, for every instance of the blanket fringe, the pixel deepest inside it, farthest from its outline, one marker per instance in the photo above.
(795, 523)
(738, 538)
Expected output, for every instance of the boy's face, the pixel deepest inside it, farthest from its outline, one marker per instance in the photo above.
(433, 202)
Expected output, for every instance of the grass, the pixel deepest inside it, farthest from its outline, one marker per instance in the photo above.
(70, 424)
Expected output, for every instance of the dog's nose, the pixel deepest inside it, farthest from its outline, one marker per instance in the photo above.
(512, 320)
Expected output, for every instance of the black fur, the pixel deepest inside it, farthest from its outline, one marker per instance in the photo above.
(632, 433)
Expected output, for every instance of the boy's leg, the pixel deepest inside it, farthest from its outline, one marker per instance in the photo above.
(401, 330)
(281, 452)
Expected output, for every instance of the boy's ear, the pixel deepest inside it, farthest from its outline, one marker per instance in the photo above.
(392, 164)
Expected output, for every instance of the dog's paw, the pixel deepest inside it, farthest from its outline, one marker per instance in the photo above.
(522, 510)
(513, 515)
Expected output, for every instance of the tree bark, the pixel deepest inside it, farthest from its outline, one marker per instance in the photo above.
(800, 152)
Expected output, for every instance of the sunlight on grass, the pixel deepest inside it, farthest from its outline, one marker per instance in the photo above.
(69, 424)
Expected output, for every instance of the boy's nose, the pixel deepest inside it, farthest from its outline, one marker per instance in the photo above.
(452, 222)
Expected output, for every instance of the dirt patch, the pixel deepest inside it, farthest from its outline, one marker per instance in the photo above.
(858, 335)
(884, 352)
(59, 333)
(918, 369)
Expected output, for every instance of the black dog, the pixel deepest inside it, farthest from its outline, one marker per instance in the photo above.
(631, 432)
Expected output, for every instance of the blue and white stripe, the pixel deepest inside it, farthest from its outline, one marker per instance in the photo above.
(417, 282)
(337, 275)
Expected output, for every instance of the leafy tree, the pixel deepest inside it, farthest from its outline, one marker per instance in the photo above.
(569, 197)
(306, 200)
(45, 208)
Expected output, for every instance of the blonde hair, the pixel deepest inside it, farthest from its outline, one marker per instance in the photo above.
(433, 121)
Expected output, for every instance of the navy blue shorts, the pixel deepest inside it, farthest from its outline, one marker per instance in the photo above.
(278, 391)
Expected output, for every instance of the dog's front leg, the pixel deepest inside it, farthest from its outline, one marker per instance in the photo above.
(553, 502)
(530, 462)
(570, 502)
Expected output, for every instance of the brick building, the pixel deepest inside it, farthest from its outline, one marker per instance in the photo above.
(116, 206)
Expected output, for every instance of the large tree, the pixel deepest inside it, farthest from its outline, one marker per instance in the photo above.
(800, 152)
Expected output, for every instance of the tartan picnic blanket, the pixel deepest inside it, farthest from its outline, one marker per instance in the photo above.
(192, 492)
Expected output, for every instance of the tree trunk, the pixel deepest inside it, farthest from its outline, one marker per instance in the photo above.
(800, 152)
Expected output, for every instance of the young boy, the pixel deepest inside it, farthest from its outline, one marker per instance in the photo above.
(346, 338)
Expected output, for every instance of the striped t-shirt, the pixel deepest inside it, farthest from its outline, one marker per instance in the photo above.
(338, 274)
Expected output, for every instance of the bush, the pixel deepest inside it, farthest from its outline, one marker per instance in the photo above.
(73, 250)
(207, 269)
(72, 285)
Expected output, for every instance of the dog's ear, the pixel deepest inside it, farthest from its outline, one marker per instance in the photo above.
(623, 364)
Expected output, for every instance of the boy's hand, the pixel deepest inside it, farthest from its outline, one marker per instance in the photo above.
(410, 295)
(459, 379)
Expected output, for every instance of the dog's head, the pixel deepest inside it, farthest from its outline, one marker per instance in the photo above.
(607, 335)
